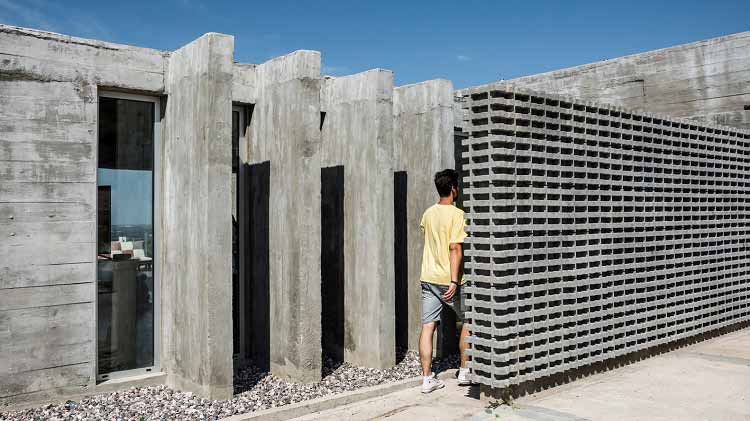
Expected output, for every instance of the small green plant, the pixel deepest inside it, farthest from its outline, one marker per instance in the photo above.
(505, 398)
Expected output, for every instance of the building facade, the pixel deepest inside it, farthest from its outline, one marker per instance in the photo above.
(145, 194)
(168, 216)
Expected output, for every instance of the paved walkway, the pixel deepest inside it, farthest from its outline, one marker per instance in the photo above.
(706, 381)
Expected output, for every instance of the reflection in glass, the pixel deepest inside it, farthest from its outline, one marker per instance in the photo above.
(125, 249)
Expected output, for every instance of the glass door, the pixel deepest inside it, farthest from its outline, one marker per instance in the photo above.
(127, 288)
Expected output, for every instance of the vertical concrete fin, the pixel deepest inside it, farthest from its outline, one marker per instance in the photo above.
(423, 145)
(195, 219)
(358, 135)
(285, 135)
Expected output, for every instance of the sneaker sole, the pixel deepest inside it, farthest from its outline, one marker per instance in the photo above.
(434, 388)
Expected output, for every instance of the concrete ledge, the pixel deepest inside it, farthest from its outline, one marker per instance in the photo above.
(77, 393)
(299, 409)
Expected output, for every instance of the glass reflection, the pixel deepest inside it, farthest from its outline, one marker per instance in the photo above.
(125, 249)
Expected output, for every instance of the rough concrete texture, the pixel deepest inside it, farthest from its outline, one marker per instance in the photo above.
(707, 381)
(195, 248)
(597, 232)
(357, 133)
(707, 80)
(285, 133)
(48, 120)
(244, 85)
(423, 145)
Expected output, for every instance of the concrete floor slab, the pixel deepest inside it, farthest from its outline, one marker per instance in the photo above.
(706, 381)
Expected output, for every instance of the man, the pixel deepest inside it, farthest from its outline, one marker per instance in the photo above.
(444, 231)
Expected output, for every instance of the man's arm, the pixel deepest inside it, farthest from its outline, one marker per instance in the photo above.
(455, 260)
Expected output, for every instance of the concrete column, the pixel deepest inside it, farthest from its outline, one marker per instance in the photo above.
(358, 135)
(196, 237)
(284, 148)
(423, 145)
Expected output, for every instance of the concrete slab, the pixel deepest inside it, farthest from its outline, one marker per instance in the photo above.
(450, 403)
(707, 381)
(734, 345)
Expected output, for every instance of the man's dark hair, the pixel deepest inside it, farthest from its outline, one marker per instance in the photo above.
(445, 180)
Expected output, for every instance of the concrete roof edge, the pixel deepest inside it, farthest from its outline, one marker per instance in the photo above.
(249, 65)
(295, 52)
(54, 36)
(694, 44)
(424, 82)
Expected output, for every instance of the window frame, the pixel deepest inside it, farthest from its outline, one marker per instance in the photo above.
(156, 212)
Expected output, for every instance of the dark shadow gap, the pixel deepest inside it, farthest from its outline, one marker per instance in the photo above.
(332, 263)
(401, 262)
(236, 329)
(257, 313)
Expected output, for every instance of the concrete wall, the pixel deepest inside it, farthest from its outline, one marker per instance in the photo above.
(49, 87)
(357, 133)
(423, 145)
(707, 81)
(48, 123)
(195, 248)
(284, 133)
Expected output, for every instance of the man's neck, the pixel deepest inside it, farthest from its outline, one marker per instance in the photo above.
(446, 200)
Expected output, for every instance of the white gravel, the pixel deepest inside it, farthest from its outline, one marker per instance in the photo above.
(254, 390)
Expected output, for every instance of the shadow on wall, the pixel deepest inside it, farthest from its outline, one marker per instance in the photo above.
(256, 202)
(332, 262)
(401, 261)
(257, 232)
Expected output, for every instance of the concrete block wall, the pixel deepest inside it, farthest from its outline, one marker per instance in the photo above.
(49, 86)
(195, 247)
(596, 231)
(707, 81)
(357, 136)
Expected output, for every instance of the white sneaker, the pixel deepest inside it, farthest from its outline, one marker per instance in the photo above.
(432, 383)
(463, 377)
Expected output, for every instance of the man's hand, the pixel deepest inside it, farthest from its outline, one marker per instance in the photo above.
(448, 296)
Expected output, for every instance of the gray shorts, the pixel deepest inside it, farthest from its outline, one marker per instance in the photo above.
(433, 303)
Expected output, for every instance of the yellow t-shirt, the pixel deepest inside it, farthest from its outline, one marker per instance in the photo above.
(441, 225)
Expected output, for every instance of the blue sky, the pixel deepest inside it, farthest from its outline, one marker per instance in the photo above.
(468, 42)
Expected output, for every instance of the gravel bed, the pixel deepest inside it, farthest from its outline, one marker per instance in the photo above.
(254, 390)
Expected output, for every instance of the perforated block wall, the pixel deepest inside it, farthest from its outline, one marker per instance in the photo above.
(596, 231)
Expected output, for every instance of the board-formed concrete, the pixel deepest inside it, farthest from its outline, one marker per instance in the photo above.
(707, 81)
(377, 170)
(195, 248)
(423, 145)
(284, 133)
(49, 85)
(596, 232)
(357, 133)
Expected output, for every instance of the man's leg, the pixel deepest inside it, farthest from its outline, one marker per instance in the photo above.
(463, 345)
(463, 371)
(431, 308)
(425, 348)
